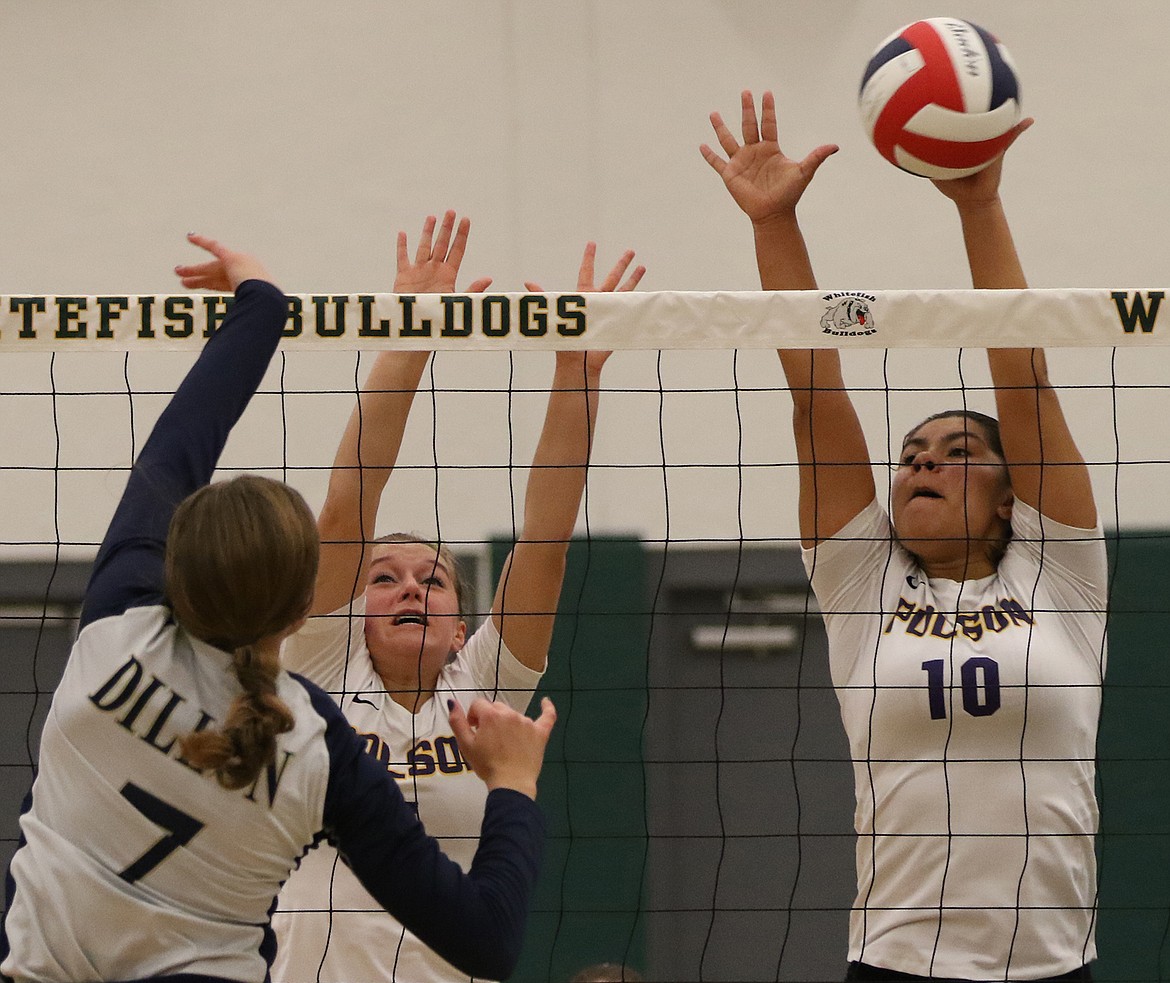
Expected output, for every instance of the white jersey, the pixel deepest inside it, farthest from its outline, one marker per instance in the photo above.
(971, 711)
(132, 685)
(328, 927)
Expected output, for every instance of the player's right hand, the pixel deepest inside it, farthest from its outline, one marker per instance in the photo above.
(503, 746)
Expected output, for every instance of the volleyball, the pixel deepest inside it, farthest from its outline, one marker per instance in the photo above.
(939, 98)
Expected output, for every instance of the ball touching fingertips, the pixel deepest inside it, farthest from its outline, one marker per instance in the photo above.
(940, 98)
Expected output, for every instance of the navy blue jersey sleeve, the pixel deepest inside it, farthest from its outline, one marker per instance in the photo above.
(474, 920)
(181, 453)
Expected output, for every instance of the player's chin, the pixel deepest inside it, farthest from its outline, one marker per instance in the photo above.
(930, 540)
(919, 519)
(398, 643)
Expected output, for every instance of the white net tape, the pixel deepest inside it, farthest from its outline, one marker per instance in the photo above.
(653, 320)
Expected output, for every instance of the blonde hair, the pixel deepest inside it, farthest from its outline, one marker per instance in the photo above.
(241, 562)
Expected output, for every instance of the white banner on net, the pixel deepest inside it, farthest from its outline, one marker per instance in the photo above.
(651, 320)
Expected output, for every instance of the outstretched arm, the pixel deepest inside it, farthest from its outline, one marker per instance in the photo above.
(183, 448)
(373, 437)
(524, 608)
(836, 480)
(1047, 469)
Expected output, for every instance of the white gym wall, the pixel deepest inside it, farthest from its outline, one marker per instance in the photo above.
(310, 133)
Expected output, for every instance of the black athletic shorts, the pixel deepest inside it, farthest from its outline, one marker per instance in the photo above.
(862, 971)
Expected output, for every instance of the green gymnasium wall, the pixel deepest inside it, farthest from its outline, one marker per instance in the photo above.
(1133, 937)
(592, 788)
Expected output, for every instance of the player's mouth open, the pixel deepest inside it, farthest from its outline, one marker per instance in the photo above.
(411, 619)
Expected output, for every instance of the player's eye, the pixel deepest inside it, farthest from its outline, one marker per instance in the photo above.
(383, 578)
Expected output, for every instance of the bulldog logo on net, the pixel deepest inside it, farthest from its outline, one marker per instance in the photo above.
(849, 314)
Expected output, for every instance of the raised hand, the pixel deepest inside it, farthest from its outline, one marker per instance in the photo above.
(594, 360)
(436, 260)
(613, 281)
(503, 746)
(373, 437)
(224, 273)
(763, 182)
(981, 187)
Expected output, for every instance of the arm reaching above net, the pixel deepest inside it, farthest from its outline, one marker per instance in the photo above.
(836, 480)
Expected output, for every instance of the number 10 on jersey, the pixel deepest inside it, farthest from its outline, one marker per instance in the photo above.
(980, 686)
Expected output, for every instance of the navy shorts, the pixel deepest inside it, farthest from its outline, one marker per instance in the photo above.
(862, 971)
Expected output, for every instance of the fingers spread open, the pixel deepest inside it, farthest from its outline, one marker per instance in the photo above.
(619, 268)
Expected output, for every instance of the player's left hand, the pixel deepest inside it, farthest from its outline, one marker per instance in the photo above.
(982, 187)
(594, 360)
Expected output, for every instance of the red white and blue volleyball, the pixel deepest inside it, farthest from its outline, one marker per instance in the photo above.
(940, 98)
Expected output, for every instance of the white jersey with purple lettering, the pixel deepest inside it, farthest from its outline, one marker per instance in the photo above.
(328, 928)
(971, 711)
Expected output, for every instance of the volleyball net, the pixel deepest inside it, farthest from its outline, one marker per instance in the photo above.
(699, 788)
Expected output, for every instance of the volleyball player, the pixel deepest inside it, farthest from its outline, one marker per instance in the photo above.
(966, 638)
(182, 772)
(390, 640)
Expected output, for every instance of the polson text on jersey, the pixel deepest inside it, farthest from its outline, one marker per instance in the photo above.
(926, 620)
(424, 758)
(127, 693)
(147, 316)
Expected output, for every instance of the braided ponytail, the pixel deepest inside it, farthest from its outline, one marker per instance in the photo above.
(239, 752)
(241, 563)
